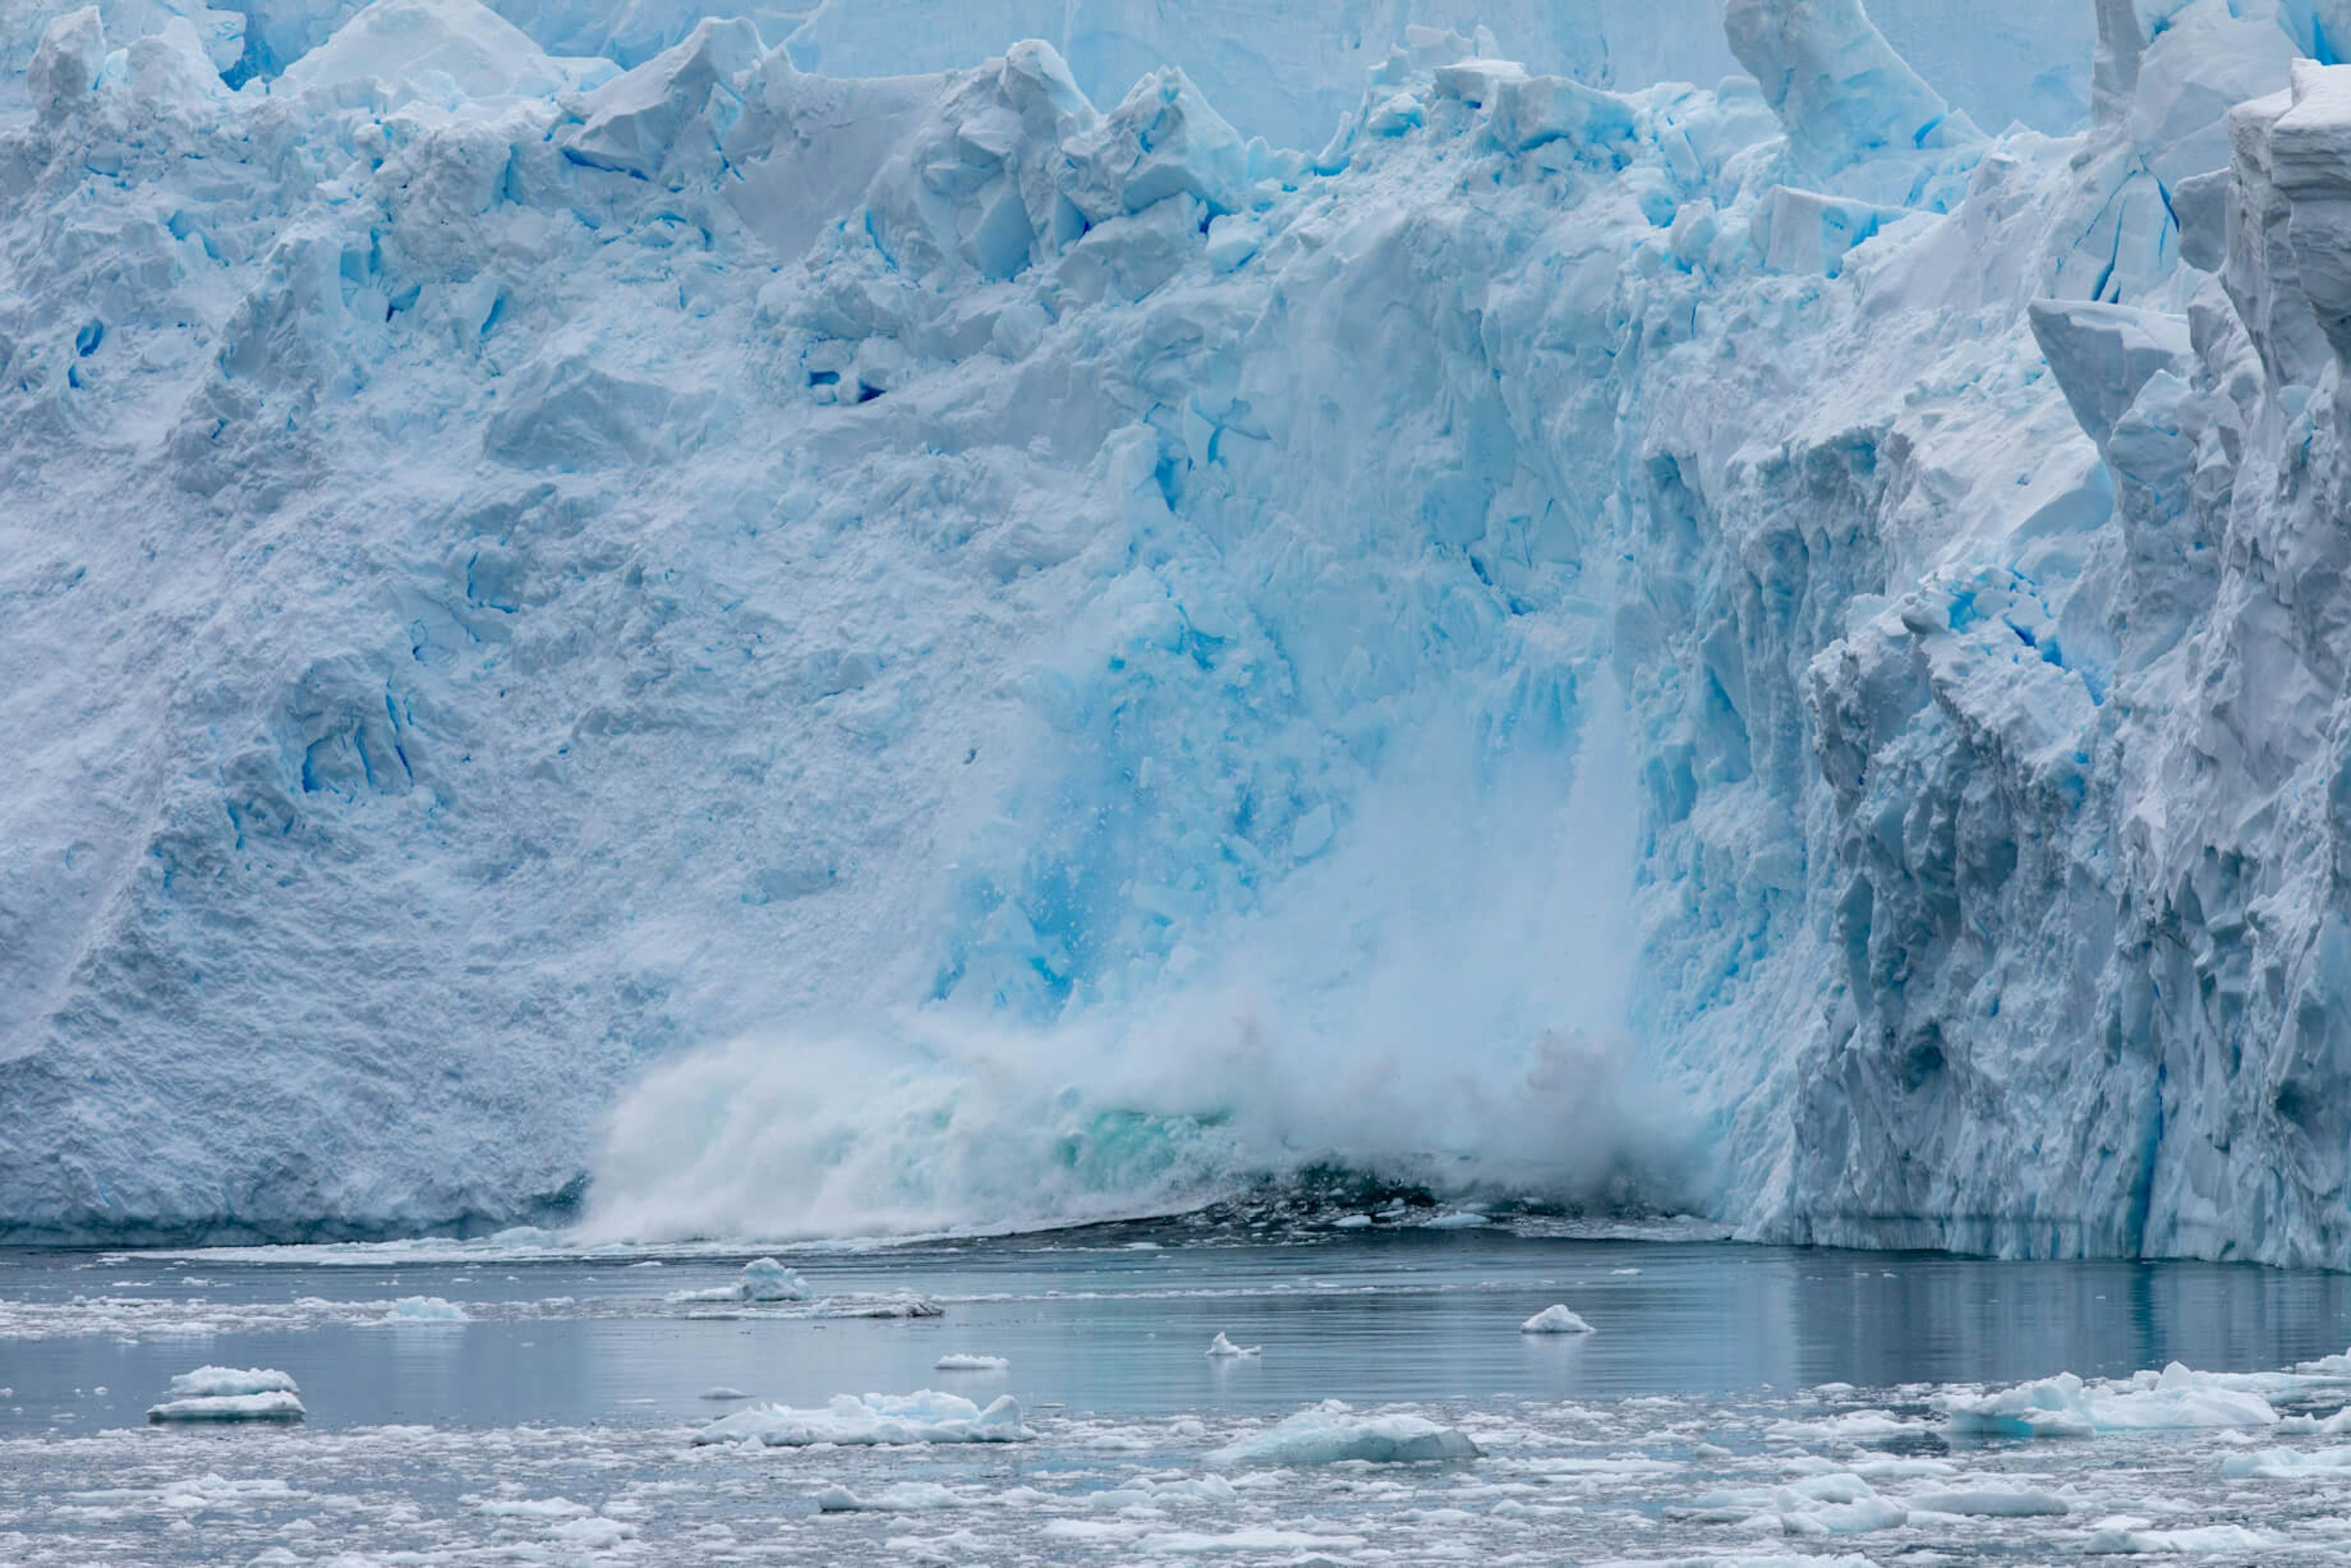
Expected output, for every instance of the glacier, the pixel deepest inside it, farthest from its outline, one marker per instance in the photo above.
(606, 628)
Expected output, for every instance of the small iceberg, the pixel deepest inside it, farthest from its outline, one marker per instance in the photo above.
(1221, 1347)
(230, 1394)
(927, 1417)
(959, 1361)
(762, 1279)
(723, 1391)
(765, 1279)
(1556, 1319)
(425, 1309)
(1331, 1433)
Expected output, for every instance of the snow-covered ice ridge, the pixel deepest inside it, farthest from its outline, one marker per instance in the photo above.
(1559, 627)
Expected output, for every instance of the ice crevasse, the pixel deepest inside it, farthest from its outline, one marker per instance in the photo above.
(835, 653)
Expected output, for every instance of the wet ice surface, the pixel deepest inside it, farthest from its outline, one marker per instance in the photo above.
(1734, 1404)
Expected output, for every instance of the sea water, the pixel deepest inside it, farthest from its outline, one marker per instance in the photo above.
(1733, 1403)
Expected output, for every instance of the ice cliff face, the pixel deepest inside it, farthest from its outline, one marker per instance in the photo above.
(921, 650)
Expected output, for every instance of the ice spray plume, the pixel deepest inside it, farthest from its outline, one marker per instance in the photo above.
(1439, 999)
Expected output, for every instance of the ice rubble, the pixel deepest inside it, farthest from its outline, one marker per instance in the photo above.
(1555, 606)
(926, 1417)
(212, 1394)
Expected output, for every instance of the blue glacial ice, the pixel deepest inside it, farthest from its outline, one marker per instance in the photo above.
(606, 627)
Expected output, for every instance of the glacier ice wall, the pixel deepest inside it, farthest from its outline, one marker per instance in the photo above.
(917, 651)
(1287, 71)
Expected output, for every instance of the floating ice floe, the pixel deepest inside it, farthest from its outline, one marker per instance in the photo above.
(1991, 1502)
(1331, 1433)
(765, 1283)
(723, 1391)
(762, 1279)
(963, 1360)
(906, 1497)
(425, 1309)
(1556, 1319)
(2177, 1399)
(2286, 1464)
(2126, 1536)
(904, 1304)
(1837, 1504)
(926, 1417)
(1847, 1426)
(230, 1394)
(1220, 1347)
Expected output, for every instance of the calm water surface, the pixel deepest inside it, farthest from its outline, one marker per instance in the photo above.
(1117, 1327)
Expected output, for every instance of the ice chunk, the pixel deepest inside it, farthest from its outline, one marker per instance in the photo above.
(765, 1279)
(66, 63)
(1221, 1347)
(2204, 62)
(926, 1417)
(2104, 355)
(1556, 1319)
(1476, 81)
(1837, 84)
(899, 1304)
(425, 1309)
(230, 1394)
(1331, 1434)
(905, 1497)
(2065, 1406)
(1847, 1426)
(2286, 1464)
(1989, 1503)
(430, 49)
(1809, 232)
(629, 124)
(1838, 1503)
(2309, 149)
(1163, 139)
(964, 1361)
(2131, 1537)
(230, 1407)
(724, 1392)
(216, 1381)
(1528, 111)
